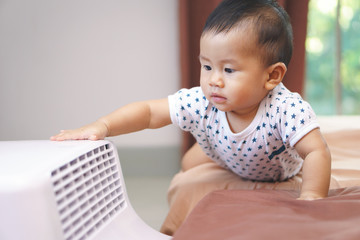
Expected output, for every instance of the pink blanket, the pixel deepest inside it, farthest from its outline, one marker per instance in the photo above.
(188, 188)
(273, 214)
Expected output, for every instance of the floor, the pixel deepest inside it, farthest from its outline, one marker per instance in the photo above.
(148, 196)
(147, 173)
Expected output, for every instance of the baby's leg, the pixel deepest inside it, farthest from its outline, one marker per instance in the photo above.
(194, 157)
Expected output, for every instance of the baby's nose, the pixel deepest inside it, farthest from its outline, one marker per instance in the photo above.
(217, 81)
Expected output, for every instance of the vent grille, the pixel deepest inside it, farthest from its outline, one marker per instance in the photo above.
(88, 192)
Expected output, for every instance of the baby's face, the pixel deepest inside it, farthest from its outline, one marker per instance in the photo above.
(232, 76)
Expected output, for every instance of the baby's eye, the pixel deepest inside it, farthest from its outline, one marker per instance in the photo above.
(229, 70)
(207, 67)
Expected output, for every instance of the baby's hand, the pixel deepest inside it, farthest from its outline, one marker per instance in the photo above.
(309, 196)
(95, 131)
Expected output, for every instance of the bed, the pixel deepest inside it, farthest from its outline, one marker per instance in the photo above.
(273, 214)
(209, 202)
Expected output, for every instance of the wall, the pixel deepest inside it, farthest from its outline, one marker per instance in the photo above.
(66, 63)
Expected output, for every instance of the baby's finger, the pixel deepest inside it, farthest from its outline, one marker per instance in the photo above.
(94, 138)
(63, 135)
(56, 138)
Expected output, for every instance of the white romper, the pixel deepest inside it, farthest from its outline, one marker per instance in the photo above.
(264, 151)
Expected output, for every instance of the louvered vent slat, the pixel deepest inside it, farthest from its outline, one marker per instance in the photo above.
(88, 192)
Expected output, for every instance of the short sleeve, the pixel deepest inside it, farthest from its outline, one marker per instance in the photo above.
(187, 108)
(297, 119)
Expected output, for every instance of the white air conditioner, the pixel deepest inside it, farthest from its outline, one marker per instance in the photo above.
(71, 190)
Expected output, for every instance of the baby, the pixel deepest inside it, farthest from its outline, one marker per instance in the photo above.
(242, 116)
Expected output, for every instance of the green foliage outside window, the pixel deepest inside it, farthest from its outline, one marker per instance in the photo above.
(321, 58)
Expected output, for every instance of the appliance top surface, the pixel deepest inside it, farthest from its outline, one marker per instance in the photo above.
(21, 159)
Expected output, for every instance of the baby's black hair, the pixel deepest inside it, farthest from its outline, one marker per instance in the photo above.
(266, 18)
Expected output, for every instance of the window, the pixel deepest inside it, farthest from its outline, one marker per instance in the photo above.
(333, 57)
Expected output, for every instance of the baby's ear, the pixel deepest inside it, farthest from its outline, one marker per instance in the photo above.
(276, 74)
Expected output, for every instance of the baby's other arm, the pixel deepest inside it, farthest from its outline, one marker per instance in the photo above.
(317, 166)
(193, 157)
(130, 118)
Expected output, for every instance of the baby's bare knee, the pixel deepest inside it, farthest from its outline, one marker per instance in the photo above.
(194, 157)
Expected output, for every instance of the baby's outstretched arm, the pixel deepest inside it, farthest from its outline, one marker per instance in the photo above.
(130, 118)
(317, 166)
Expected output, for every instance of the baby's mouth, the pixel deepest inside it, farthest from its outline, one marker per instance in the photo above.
(216, 98)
